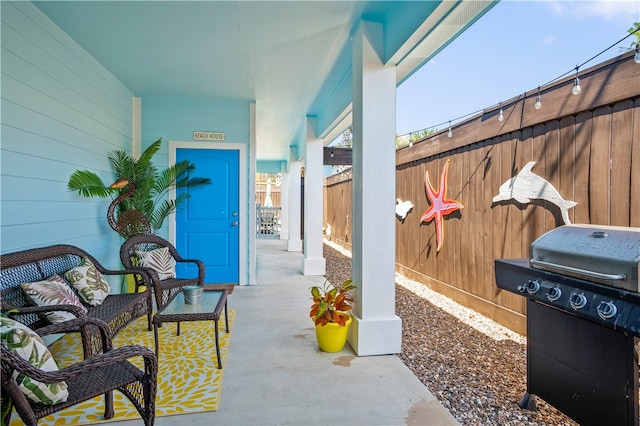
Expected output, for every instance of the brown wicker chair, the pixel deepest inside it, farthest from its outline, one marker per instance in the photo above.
(100, 374)
(164, 290)
(117, 310)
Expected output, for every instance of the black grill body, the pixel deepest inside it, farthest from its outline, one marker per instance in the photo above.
(583, 318)
(580, 358)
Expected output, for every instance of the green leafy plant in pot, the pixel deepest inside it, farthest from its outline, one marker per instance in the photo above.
(142, 203)
(331, 314)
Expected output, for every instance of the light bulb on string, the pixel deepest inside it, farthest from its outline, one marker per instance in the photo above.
(449, 133)
(501, 115)
(576, 84)
(538, 103)
(636, 58)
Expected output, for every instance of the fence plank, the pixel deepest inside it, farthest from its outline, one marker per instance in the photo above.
(584, 125)
(600, 167)
(621, 128)
(634, 204)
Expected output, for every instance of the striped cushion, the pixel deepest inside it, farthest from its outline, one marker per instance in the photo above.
(160, 260)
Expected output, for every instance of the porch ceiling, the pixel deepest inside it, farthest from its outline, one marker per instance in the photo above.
(291, 57)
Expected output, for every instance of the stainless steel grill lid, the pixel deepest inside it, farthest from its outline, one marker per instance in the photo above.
(608, 255)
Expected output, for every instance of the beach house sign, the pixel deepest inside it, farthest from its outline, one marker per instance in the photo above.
(208, 136)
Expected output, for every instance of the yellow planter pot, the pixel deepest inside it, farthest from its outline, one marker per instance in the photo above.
(332, 337)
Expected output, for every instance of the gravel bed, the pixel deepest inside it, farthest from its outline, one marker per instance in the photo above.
(474, 366)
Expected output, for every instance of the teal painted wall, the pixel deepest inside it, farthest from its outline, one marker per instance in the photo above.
(176, 118)
(61, 111)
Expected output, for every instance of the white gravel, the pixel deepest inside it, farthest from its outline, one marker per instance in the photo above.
(473, 365)
(468, 316)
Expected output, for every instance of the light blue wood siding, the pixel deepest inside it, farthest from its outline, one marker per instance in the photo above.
(61, 111)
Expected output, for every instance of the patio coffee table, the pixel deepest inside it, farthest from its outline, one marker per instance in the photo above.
(208, 310)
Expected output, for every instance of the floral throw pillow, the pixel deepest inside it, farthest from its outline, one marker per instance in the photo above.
(53, 291)
(28, 345)
(89, 283)
(160, 260)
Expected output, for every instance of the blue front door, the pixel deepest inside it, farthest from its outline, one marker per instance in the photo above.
(207, 227)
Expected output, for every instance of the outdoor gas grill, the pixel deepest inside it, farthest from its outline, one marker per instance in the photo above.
(583, 317)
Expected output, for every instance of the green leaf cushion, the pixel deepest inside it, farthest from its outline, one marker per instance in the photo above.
(53, 291)
(28, 345)
(160, 260)
(89, 283)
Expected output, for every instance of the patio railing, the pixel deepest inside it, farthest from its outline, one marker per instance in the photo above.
(268, 222)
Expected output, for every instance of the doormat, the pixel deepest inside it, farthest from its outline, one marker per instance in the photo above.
(189, 380)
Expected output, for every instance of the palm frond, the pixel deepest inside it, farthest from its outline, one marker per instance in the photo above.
(122, 164)
(196, 182)
(88, 184)
(147, 155)
(161, 212)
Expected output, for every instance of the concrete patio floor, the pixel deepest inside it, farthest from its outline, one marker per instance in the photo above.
(276, 375)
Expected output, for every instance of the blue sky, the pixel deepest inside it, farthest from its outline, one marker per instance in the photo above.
(513, 48)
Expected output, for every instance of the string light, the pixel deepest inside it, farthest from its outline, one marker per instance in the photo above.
(576, 84)
(538, 103)
(501, 115)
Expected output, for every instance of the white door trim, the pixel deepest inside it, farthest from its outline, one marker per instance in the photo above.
(242, 188)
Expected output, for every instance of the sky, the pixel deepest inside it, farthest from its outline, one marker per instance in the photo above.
(514, 48)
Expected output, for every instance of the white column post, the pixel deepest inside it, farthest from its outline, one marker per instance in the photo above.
(376, 329)
(314, 262)
(294, 243)
(136, 126)
(284, 203)
(252, 254)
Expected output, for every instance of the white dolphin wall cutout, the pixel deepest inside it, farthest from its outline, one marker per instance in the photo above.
(527, 186)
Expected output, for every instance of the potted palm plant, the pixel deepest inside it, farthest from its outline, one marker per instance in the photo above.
(142, 203)
(331, 314)
(142, 190)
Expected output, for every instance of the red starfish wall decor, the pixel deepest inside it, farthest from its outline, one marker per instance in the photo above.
(440, 206)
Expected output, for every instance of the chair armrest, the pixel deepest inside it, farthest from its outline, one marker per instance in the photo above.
(26, 310)
(199, 264)
(85, 327)
(99, 361)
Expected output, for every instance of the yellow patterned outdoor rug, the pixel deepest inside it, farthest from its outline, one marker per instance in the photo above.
(189, 380)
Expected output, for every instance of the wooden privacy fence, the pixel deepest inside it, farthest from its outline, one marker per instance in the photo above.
(586, 146)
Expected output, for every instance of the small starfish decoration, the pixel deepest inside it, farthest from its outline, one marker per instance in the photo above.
(440, 206)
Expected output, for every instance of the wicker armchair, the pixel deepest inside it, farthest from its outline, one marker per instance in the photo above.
(166, 289)
(101, 374)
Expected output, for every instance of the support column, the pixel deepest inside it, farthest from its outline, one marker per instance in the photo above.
(376, 329)
(294, 243)
(251, 230)
(284, 203)
(314, 262)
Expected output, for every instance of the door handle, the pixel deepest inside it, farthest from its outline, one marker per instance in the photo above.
(234, 214)
(234, 223)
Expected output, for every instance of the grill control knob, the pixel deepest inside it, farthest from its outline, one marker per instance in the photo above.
(577, 300)
(532, 286)
(554, 293)
(607, 310)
